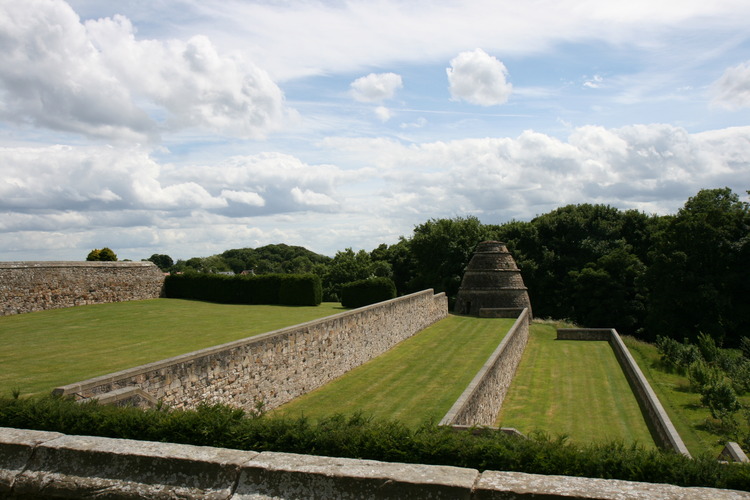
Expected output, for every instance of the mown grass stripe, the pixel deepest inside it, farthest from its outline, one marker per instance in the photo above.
(578, 387)
(417, 381)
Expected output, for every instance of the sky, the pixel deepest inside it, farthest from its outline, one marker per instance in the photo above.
(186, 128)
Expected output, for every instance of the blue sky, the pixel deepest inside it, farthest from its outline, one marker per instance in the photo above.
(189, 127)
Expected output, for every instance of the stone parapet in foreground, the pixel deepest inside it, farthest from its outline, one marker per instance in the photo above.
(38, 464)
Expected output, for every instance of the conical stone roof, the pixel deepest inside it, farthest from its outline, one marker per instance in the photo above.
(491, 281)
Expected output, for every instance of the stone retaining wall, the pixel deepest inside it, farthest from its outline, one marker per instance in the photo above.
(38, 464)
(274, 367)
(36, 286)
(480, 403)
(658, 421)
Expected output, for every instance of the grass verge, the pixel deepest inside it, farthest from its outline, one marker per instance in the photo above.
(46, 349)
(418, 380)
(690, 418)
(573, 388)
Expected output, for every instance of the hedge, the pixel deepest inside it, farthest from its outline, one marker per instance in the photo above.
(368, 291)
(362, 437)
(284, 289)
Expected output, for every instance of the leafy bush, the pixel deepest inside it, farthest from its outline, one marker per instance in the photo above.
(361, 437)
(702, 375)
(368, 291)
(286, 289)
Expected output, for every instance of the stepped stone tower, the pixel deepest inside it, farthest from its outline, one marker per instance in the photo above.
(492, 285)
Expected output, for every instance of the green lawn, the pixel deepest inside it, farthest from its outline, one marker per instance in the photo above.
(573, 388)
(684, 407)
(46, 349)
(418, 380)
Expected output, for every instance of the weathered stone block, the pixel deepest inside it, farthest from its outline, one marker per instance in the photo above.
(288, 476)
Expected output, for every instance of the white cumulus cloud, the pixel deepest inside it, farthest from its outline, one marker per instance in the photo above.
(733, 88)
(99, 80)
(478, 78)
(376, 87)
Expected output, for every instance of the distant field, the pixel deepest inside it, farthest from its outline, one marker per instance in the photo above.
(46, 349)
(414, 382)
(576, 388)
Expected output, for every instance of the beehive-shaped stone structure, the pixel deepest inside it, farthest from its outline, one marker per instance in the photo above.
(492, 283)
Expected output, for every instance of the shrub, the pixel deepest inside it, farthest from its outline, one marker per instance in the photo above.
(287, 289)
(702, 375)
(358, 436)
(368, 291)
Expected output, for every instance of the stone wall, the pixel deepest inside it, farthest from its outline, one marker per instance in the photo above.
(36, 286)
(274, 367)
(39, 464)
(658, 421)
(480, 403)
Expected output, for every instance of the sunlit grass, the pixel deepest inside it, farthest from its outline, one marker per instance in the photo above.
(46, 349)
(573, 388)
(418, 380)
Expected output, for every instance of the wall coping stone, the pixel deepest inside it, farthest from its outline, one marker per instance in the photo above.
(54, 465)
(43, 264)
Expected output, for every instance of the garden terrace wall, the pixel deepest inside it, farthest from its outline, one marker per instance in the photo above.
(274, 367)
(661, 426)
(480, 403)
(37, 286)
(40, 464)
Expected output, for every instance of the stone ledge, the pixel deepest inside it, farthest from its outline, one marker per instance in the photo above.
(37, 464)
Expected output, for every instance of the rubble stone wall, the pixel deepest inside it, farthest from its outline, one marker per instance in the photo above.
(37, 286)
(278, 366)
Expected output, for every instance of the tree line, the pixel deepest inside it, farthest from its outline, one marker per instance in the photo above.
(675, 275)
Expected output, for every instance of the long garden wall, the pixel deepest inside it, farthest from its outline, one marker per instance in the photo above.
(36, 286)
(480, 403)
(274, 367)
(658, 421)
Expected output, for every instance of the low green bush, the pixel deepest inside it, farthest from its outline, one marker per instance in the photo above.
(284, 289)
(368, 291)
(361, 437)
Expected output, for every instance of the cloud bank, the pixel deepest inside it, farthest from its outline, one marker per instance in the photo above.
(653, 168)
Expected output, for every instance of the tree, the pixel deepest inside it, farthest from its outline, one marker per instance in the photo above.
(699, 278)
(162, 261)
(441, 249)
(104, 254)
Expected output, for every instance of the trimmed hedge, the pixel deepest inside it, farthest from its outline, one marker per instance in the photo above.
(358, 436)
(284, 289)
(368, 291)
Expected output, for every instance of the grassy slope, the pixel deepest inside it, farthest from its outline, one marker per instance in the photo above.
(46, 349)
(684, 407)
(418, 380)
(574, 388)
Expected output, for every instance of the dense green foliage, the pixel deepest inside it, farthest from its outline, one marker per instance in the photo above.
(162, 261)
(367, 291)
(360, 437)
(285, 289)
(645, 275)
(102, 254)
